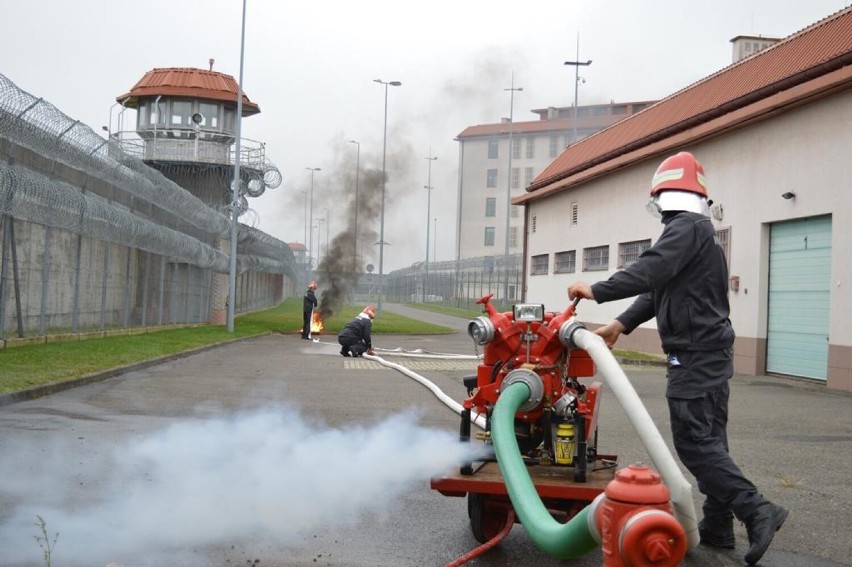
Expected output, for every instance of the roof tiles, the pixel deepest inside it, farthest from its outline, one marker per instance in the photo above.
(815, 51)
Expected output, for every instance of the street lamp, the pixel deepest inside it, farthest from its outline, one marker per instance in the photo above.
(435, 242)
(509, 182)
(428, 188)
(577, 64)
(357, 176)
(305, 241)
(382, 223)
(311, 237)
(235, 185)
(327, 224)
(319, 221)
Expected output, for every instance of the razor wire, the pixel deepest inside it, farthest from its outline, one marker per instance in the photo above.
(40, 127)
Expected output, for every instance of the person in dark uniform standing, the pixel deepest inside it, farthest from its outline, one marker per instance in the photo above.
(309, 303)
(355, 337)
(682, 281)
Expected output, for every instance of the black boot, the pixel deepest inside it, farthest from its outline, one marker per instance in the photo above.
(718, 531)
(345, 351)
(761, 527)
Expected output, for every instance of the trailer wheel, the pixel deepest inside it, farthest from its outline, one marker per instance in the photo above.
(486, 519)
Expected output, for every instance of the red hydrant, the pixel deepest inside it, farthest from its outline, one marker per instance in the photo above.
(637, 523)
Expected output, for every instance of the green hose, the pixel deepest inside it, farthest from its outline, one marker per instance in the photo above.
(564, 541)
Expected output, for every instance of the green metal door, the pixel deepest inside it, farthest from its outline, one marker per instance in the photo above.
(799, 283)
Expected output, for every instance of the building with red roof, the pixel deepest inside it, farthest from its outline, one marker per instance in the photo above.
(774, 134)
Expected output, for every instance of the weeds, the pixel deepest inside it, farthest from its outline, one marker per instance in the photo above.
(44, 541)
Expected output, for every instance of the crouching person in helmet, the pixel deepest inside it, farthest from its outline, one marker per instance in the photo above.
(682, 281)
(355, 338)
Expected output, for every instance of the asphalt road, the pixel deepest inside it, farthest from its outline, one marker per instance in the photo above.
(279, 452)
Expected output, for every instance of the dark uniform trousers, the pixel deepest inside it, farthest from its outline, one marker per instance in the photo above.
(699, 421)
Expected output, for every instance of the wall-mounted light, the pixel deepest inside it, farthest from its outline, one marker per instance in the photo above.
(788, 195)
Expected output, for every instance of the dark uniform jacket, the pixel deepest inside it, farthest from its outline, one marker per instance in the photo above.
(357, 330)
(683, 281)
(309, 302)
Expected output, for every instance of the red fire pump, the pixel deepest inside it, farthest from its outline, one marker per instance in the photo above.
(558, 425)
(556, 429)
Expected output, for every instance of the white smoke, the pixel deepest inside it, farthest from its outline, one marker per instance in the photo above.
(264, 476)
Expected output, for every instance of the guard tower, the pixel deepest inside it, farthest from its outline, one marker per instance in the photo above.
(186, 129)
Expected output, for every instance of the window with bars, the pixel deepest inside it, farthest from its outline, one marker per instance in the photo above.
(565, 262)
(489, 236)
(493, 149)
(553, 149)
(595, 258)
(530, 147)
(528, 176)
(516, 177)
(490, 206)
(628, 252)
(516, 211)
(491, 178)
(539, 264)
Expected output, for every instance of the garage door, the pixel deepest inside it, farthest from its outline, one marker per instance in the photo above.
(799, 281)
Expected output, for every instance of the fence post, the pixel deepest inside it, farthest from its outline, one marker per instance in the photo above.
(45, 280)
(104, 285)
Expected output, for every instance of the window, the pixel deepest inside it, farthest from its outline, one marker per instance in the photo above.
(528, 176)
(628, 252)
(181, 112)
(516, 148)
(209, 115)
(516, 177)
(554, 146)
(530, 148)
(565, 262)
(230, 117)
(490, 206)
(595, 259)
(723, 235)
(489, 236)
(539, 265)
(513, 237)
(491, 182)
(516, 211)
(574, 214)
(493, 149)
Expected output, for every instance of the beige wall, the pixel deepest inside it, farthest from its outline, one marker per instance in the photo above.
(805, 150)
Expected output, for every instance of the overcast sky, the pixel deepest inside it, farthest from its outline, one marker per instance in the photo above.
(310, 66)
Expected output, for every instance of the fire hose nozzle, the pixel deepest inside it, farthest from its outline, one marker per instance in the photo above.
(566, 333)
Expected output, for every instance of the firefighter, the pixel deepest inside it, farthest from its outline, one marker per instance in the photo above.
(309, 303)
(682, 281)
(355, 338)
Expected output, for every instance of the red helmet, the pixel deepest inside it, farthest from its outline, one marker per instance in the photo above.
(312, 285)
(680, 172)
(370, 311)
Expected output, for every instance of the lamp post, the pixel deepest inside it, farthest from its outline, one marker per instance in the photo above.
(382, 222)
(319, 221)
(235, 185)
(512, 91)
(327, 224)
(357, 176)
(428, 188)
(435, 242)
(311, 214)
(577, 64)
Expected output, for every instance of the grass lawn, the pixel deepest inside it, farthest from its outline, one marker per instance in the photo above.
(33, 365)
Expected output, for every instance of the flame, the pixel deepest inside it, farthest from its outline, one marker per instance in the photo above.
(316, 323)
